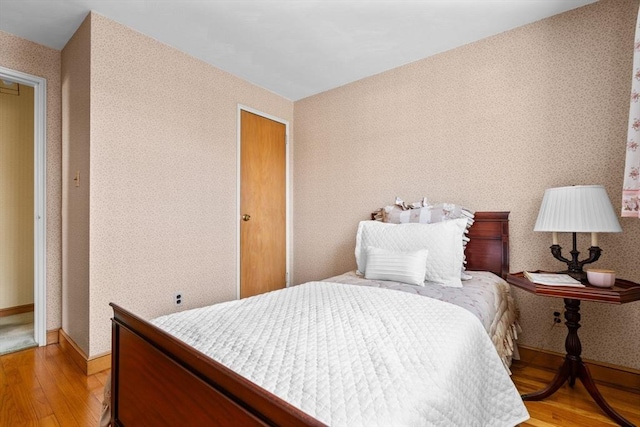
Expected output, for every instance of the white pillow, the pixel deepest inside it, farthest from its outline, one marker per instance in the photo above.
(405, 267)
(443, 240)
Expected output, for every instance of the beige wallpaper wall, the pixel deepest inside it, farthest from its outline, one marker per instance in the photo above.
(490, 126)
(16, 197)
(76, 136)
(163, 176)
(27, 57)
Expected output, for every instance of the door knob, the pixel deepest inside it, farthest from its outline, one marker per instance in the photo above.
(246, 217)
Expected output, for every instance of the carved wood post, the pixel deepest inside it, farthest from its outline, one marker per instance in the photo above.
(572, 343)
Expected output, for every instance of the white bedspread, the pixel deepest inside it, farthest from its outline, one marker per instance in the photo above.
(355, 355)
(485, 295)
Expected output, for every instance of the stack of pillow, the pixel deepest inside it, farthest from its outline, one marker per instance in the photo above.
(414, 244)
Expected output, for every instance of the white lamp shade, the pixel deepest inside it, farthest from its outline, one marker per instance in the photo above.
(577, 209)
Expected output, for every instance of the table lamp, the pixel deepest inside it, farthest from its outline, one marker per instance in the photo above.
(577, 209)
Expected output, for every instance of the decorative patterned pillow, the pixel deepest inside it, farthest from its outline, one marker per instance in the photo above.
(405, 267)
(425, 214)
(443, 240)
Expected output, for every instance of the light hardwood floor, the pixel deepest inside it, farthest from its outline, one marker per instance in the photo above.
(42, 387)
(572, 407)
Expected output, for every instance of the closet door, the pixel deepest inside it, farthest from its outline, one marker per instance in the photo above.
(262, 204)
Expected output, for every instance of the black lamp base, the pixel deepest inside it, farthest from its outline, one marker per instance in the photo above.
(574, 267)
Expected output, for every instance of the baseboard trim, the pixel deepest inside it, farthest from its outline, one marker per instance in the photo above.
(605, 373)
(52, 336)
(89, 366)
(19, 309)
(99, 363)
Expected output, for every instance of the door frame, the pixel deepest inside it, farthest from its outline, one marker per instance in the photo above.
(39, 85)
(287, 191)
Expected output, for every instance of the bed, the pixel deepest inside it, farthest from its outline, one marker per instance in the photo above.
(485, 295)
(159, 379)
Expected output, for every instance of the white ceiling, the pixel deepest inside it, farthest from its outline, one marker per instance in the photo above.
(295, 48)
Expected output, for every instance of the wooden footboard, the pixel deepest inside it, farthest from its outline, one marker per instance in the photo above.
(159, 381)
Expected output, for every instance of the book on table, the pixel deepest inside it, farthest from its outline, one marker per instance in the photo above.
(553, 279)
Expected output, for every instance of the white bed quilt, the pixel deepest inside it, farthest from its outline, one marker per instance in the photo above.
(354, 355)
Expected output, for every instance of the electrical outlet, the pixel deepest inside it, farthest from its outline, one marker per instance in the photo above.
(557, 315)
(178, 298)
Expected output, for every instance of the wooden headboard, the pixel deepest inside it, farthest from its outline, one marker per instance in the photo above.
(488, 249)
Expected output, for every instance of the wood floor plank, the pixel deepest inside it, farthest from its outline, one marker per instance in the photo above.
(24, 400)
(52, 388)
(102, 376)
(3, 378)
(12, 410)
(36, 379)
(71, 385)
(98, 395)
(82, 384)
(50, 421)
(572, 406)
(22, 365)
(537, 423)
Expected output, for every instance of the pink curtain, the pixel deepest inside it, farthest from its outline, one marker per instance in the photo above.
(631, 186)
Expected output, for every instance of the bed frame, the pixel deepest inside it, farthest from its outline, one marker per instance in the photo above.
(158, 380)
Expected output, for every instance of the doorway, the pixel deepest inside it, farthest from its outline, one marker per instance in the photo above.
(16, 208)
(22, 210)
(263, 259)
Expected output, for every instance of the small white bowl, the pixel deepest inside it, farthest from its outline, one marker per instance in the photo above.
(601, 278)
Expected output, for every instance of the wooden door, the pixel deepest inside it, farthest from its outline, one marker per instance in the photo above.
(262, 205)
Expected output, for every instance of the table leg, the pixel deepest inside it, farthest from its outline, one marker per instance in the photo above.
(587, 381)
(573, 367)
(560, 378)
